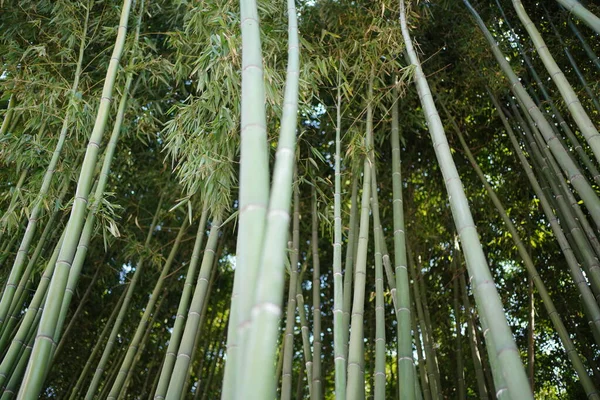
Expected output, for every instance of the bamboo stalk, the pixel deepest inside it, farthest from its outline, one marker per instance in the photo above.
(356, 374)
(180, 372)
(178, 327)
(288, 350)
(578, 181)
(339, 328)
(577, 9)
(133, 347)
(44, 342)
(19, 262)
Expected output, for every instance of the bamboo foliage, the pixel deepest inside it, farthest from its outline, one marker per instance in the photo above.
(332, 131)
(488, 300)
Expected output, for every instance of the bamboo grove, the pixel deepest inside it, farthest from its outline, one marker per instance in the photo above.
(299, 200)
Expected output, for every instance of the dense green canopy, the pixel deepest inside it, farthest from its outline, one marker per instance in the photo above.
(334, 157)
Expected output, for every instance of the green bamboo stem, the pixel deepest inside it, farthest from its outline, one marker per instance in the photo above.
(579, 215)
(13, 384)
(429, 325)
(112, 373)
(216, 363)
(86, 235)
(553, 112)
(141, 328)
(475, 354)
(253, 197)
(257, 380)
(339, 328)
(30, 320)
(460, 374)
(432, 378)
(553, 178)
(356, 374)
(579, 279)
(402, 308)
(106, 353)
(488, 300)
(531, 336)
(316, 298)
(19, 262)
(100, 340)
(203, 317)
(184, 302)
(588, 49)
(50, 227)
(300, 385)
(180, 372)
(288, 349)
(576, 178)
(142, 345)
(501, 390)
(380, 358)
(532, 271)
(422, 368)
(573, 63)
(78, 311)
(574, 106)
(44, 342)
(305, 338)
(349, 263)
(585, 15)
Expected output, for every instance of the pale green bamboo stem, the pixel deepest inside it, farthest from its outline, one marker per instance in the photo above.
(112, 373)
(532, 271)
(142, 345)
(576, 178)
(553, 112)
(356, 375)
(106, 353)
(44, 342)
(30, 320)
(338, 284)
(19, 262)
(590, 262)
(180, 372)
(257, 363)
(434, 383)
(50, 226)
(420, 358)
(88, 364)
(579, 279)
(305, 337)
(184, 302)
(489, 303)
(288, 348)
(78, 311)
(501, 391)
(133, 347)
(402, 308)
(585, 15)
(588, 49)
(460, 373)
(253, 198)
(573, 63)
(203, 316)
(572, 102)
(349, 263)
(475, 355)
(317, 385)
(88, 229)
(380, 357)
